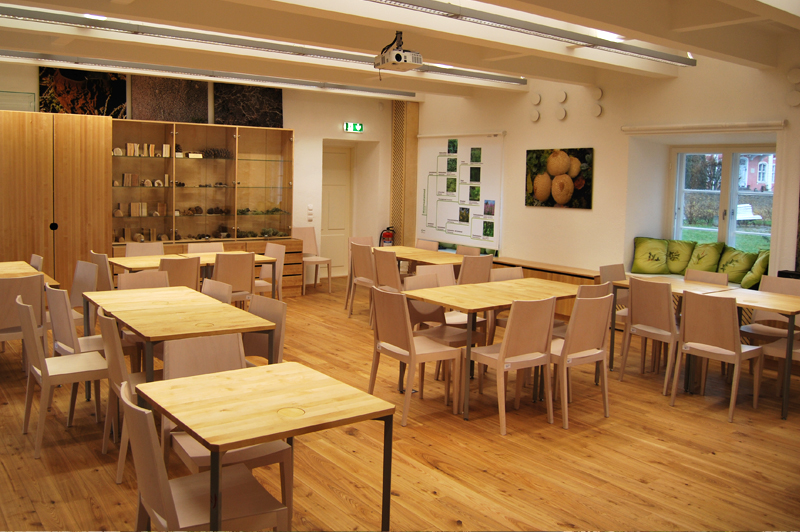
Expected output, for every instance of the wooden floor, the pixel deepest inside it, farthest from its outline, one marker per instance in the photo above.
(647, 467)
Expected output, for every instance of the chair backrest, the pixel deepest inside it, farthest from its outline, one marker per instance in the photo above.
(257, 344)
(386, 272)
(505, 274)
(151, 473)
(37, 261)
(309, 238)
(430, 245)
(182, 271)
(31, 288)
(199, 356)
(84, 280)
(360, 240)
(139, 249)
(475, 269)
(445, 273)
(467, 251)
(615, 272)
(529, 329)
(64, 332)
(699, 276)
(588, 325)
(594, 290)
(277, 251)
(143, 279)
(236, 269)
(218, 290)
(205, 247)
(112, 347)
(105, 281)
(363, 266)
(420, 311)
(710, 320)
(651, 305)
(26, 317)
(392, 322)
(776, 285)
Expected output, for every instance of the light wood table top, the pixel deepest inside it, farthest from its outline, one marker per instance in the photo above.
(424, 256)
(146, 298)
(679, 286)
(20, 268)
(208, 259)
(234, 409)
(785, 304)
(142, 262)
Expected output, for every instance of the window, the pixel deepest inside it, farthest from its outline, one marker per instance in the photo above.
(718, 200)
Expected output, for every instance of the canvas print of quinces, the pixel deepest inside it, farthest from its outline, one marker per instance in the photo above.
(559, 178)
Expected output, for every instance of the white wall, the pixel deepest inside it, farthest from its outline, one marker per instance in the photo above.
(648, 210)
(19, 78)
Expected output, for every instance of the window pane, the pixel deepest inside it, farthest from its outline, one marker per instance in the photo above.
(700, 202)
(753, 215)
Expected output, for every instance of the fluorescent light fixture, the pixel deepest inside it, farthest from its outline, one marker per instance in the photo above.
(95, 17)
(608, 36)
(443, 9)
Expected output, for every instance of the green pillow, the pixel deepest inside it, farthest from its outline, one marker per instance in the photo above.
(649, 255)
(678, 254)
(753, 277)
(705, 257)
(736, 263)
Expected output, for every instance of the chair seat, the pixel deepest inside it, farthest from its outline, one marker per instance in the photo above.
(778, 349)
(91, 364)
(316, 260)
(445, 335)
(583, 356)
(263, 286)
(654, 331)
(490, 353)
(240, 296)
(718, 353)
(244, 506)
(760, 330)
(459, 319)
(190, 449)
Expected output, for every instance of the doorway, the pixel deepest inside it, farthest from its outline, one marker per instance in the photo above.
(337, 178)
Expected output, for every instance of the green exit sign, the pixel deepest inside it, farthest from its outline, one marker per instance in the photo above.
(353, 127)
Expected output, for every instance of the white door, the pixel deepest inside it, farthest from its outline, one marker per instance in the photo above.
(336, 179)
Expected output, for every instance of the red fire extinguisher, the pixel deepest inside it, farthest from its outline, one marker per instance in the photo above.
(386, 237)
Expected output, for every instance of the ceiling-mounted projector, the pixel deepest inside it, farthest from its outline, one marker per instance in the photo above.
(393, 57)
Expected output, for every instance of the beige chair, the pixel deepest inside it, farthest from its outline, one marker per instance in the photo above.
(212, 354)
(394, 338)
(611, 273)
(239, 271)
(218, 290)
(205, 247)
(182, 503)
(387, 275)
(444, 273)
(182, 271)
(105, 281)
(49, 373)
(37, 261)
(117, 375)
(430, 245)
(141, 249)
(699, 276)
(84, 280)
(584, 291)
(777, 349)
(766, 326)
(31, 288)
(467, 251)
(475, 269)
(500, 274)
(65, 336)
(363, 241)
(584, 343)
(525, 345)
(710, 329)
(264, 281)
(257, 344)
(143, 279)
(363, 272)
(651, 314)
(310, 254)
(430, 320)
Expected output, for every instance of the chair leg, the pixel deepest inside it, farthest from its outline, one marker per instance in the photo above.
(604, 386)
(97, 407)
(501, 398)
(703, 375)
(644, 355)
(123, 452)
(626, 346)
(287, 484)
(111, 405)
(447, 373)
(737, 371)
(72, 399)
(480, 378)
(518, 391)
(678, 359)
(352, 295)
(562, 377)
(548, 384)
(329, 277)
(409, 390)
(42, 419)
(670, 365)
(757, 380)
(142, 518)
(422, 380)
(437, 370)
(28, 401)
(373, 374)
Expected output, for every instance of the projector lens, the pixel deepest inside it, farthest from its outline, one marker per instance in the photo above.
(398, 58)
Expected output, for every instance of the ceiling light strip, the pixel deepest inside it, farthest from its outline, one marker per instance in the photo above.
(474, 16)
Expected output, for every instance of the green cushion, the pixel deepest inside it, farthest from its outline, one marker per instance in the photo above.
(753, 277)
(736, 263)
(678, 254)
(705, 257)
(649, 255)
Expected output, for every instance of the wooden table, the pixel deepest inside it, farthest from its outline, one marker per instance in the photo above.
(424, 256)
(234, 409)
(474, 298)
(20, 268)
(783, 304)
(174, 313)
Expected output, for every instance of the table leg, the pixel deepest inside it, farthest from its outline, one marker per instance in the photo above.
(274, 268)
(271, 347)
(386, 496)
(613, 330)
(215, 520)
(87, 386)
(148, 368)
(787, 371)
(468, 360)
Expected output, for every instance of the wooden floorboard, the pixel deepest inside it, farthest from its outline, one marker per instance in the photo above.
(647, 467)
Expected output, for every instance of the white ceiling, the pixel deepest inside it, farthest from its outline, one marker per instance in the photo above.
(748, 32)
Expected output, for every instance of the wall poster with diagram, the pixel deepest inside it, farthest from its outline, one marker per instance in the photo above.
(459, 189)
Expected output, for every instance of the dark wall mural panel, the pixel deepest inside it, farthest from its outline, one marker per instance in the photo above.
(82, 92)
(169, 100)
(245, 105)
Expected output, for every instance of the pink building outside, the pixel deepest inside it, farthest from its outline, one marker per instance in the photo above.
(757, 171)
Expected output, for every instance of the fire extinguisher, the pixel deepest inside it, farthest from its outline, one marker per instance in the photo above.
(386, 237)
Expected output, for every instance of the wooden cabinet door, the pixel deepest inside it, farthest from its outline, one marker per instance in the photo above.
(26, 187)
(82, 190)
